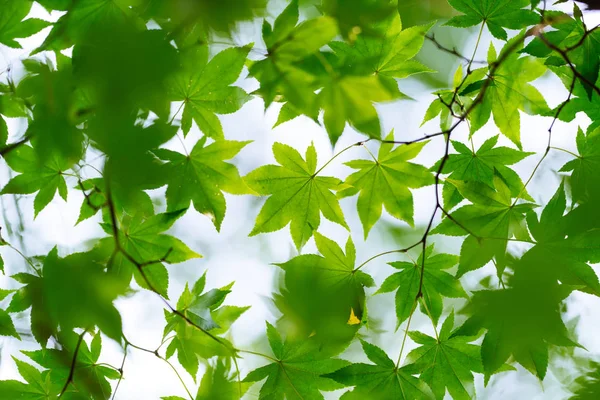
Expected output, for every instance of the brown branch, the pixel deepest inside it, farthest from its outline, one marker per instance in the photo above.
(139, 266)
(452, 51)
(73, 363)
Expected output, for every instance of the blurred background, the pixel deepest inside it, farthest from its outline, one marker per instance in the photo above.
(233, 256)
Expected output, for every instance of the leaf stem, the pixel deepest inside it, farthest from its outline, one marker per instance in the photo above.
(565, 151)
(338, 154)
(258, 354)
(414, 307)
(437, 336)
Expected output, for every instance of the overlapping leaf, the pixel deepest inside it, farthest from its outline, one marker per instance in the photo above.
(509, 91)
(496, 14)
(324, 295)
(45, 178)
(381, 380)
(13, 24)
(386, 182)
(436, 283)
(297, 372)
(143, 247)
(490, 222)
(204, 87)
(205, 310)
(480, 166)
(446, 363)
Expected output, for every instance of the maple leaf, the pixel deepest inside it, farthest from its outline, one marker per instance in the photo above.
(440, 106)
(219, 384)
(206, 311)
(7, 327)
(572, 37)
(587, 386)
(446, 362)
(351, 98)
(496, 14)
(480, 166)
(386, 181)
(39, 385)
(381, 381)
(298, 194)
(584, 176)
(324, 295)
(46, 178)
(12, 23)
(78, 294)
(492, 219)
(204, 87)
(354, 16)
(509, 91)
(89, 379)
(436, 283)
(366, 73)
(202, 176)
(31, 296)
(141, 238)
(522, 320)
(297, 371)
(288, 45)
(565, 243)
(389, 56)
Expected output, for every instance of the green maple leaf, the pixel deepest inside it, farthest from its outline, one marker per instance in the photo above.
(7, 327)
(382, 380)
(77, 293)
(509, 91)
(496, 14)
(386, 182)
(389, 56)
(584, 176)
(297, 370)
(202, 176)
(366, 73)
(206, 311)
(447, 362)
(31, 296)
(521, 320)
(436, 283)
(565, 244)
(350, 99)
(90, 380)
(59, 108)
(39, 386)
(125, 201)
(219, 384)
(44, 177)
(204, 87)
(298, 195)
(571, 36)
(14, 26)
(288, 46)
(354, 16)
(141, 238)
(324, 295)
(587, 386)
(445, 97)
(492, 219)
(480, 166)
